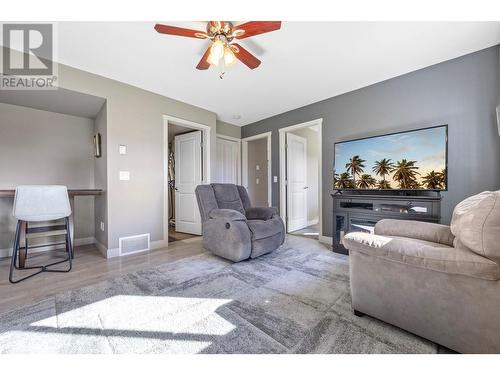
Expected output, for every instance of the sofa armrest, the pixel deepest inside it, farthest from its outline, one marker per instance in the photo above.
(261, 213)
(226, 214)
(419, 230)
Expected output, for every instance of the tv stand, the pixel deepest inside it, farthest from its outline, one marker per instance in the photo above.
(360, 210)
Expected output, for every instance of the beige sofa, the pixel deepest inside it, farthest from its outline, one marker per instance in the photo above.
(439, 282)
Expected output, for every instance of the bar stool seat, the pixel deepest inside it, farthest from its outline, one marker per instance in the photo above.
(36, 204)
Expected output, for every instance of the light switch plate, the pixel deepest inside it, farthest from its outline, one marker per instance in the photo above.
(124, 175)
(257, 181)
(102, 226)
(122, 149)
(257, 167)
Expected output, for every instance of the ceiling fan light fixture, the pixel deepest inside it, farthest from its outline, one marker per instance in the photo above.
(212, 60)
(223, 51)
(217, 49)
(229, 57)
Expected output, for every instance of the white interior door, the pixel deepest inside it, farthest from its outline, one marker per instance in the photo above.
(227, 161)
(296, 158)
(188, 175)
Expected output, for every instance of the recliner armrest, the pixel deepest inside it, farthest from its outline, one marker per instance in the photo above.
(227, 214)
(419, 230)
(261, 213)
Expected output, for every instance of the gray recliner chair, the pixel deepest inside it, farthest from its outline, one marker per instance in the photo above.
(234, 230)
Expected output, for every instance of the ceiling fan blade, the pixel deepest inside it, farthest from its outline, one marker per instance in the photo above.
(179, 31)
(245, 57)
(204, 64)
(256, 27)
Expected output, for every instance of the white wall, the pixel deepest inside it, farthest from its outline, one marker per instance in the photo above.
(135, 118)
(101, 180)
(230, 130)
(313, 164)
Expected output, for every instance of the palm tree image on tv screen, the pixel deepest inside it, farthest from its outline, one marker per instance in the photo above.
(412, 160)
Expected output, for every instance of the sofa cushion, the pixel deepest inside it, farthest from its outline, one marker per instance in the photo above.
(476, 224)
(265, 228)
(228, 196)
(420, 230)
(423, 254)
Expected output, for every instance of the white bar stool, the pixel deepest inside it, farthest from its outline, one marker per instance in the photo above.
(38, 203)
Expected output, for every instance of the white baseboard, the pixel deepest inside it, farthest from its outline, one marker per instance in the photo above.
(158, 244)
(112, 253)
(84, 241)
(4, 253)
(326, 239)
(102, 249)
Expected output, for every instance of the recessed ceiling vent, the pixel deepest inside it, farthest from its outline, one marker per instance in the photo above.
(134, 244)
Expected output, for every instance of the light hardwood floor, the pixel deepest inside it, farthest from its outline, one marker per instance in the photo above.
(89, 267)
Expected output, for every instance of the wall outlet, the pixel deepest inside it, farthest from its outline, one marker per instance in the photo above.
(124, 175)
(257, 167)
(275, 178)
(102, 226)
(122, 149)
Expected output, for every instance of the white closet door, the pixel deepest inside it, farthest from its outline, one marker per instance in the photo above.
(228, 161)
(188, 175)
(296, 182)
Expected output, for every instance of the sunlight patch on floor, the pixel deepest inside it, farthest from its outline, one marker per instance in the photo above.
(129, 322)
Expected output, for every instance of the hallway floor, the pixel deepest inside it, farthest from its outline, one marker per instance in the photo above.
(178, 236)
(311, 231)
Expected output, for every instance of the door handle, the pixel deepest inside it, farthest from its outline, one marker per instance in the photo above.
(306, 187)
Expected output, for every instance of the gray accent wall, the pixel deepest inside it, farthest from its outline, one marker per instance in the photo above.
(230, 130)
(462, 93)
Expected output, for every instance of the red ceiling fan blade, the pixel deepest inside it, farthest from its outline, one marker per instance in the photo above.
(256, 27)
(204, 64)
(179, 31)
(245, 57)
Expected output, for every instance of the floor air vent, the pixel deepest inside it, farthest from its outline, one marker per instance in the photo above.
(134, 244)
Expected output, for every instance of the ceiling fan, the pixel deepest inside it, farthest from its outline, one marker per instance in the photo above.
(222, 35)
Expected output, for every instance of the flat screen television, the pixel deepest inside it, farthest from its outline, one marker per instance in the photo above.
(409, 160)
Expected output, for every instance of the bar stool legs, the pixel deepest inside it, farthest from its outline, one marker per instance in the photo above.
(44, 268)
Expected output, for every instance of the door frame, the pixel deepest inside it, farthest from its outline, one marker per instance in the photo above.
(283, 169)
(244, 162)
(206, 169)
(238, 160)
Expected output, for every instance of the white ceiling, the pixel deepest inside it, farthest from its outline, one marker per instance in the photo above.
(302, 63)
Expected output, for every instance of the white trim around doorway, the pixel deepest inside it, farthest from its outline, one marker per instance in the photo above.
(206, 163)
(244, 163)
(282, 177)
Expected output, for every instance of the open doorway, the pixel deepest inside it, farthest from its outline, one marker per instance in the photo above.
(187, 166)
(300, 177)
(256, 168)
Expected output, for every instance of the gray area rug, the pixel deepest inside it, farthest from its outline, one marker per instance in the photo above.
(290, 301)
